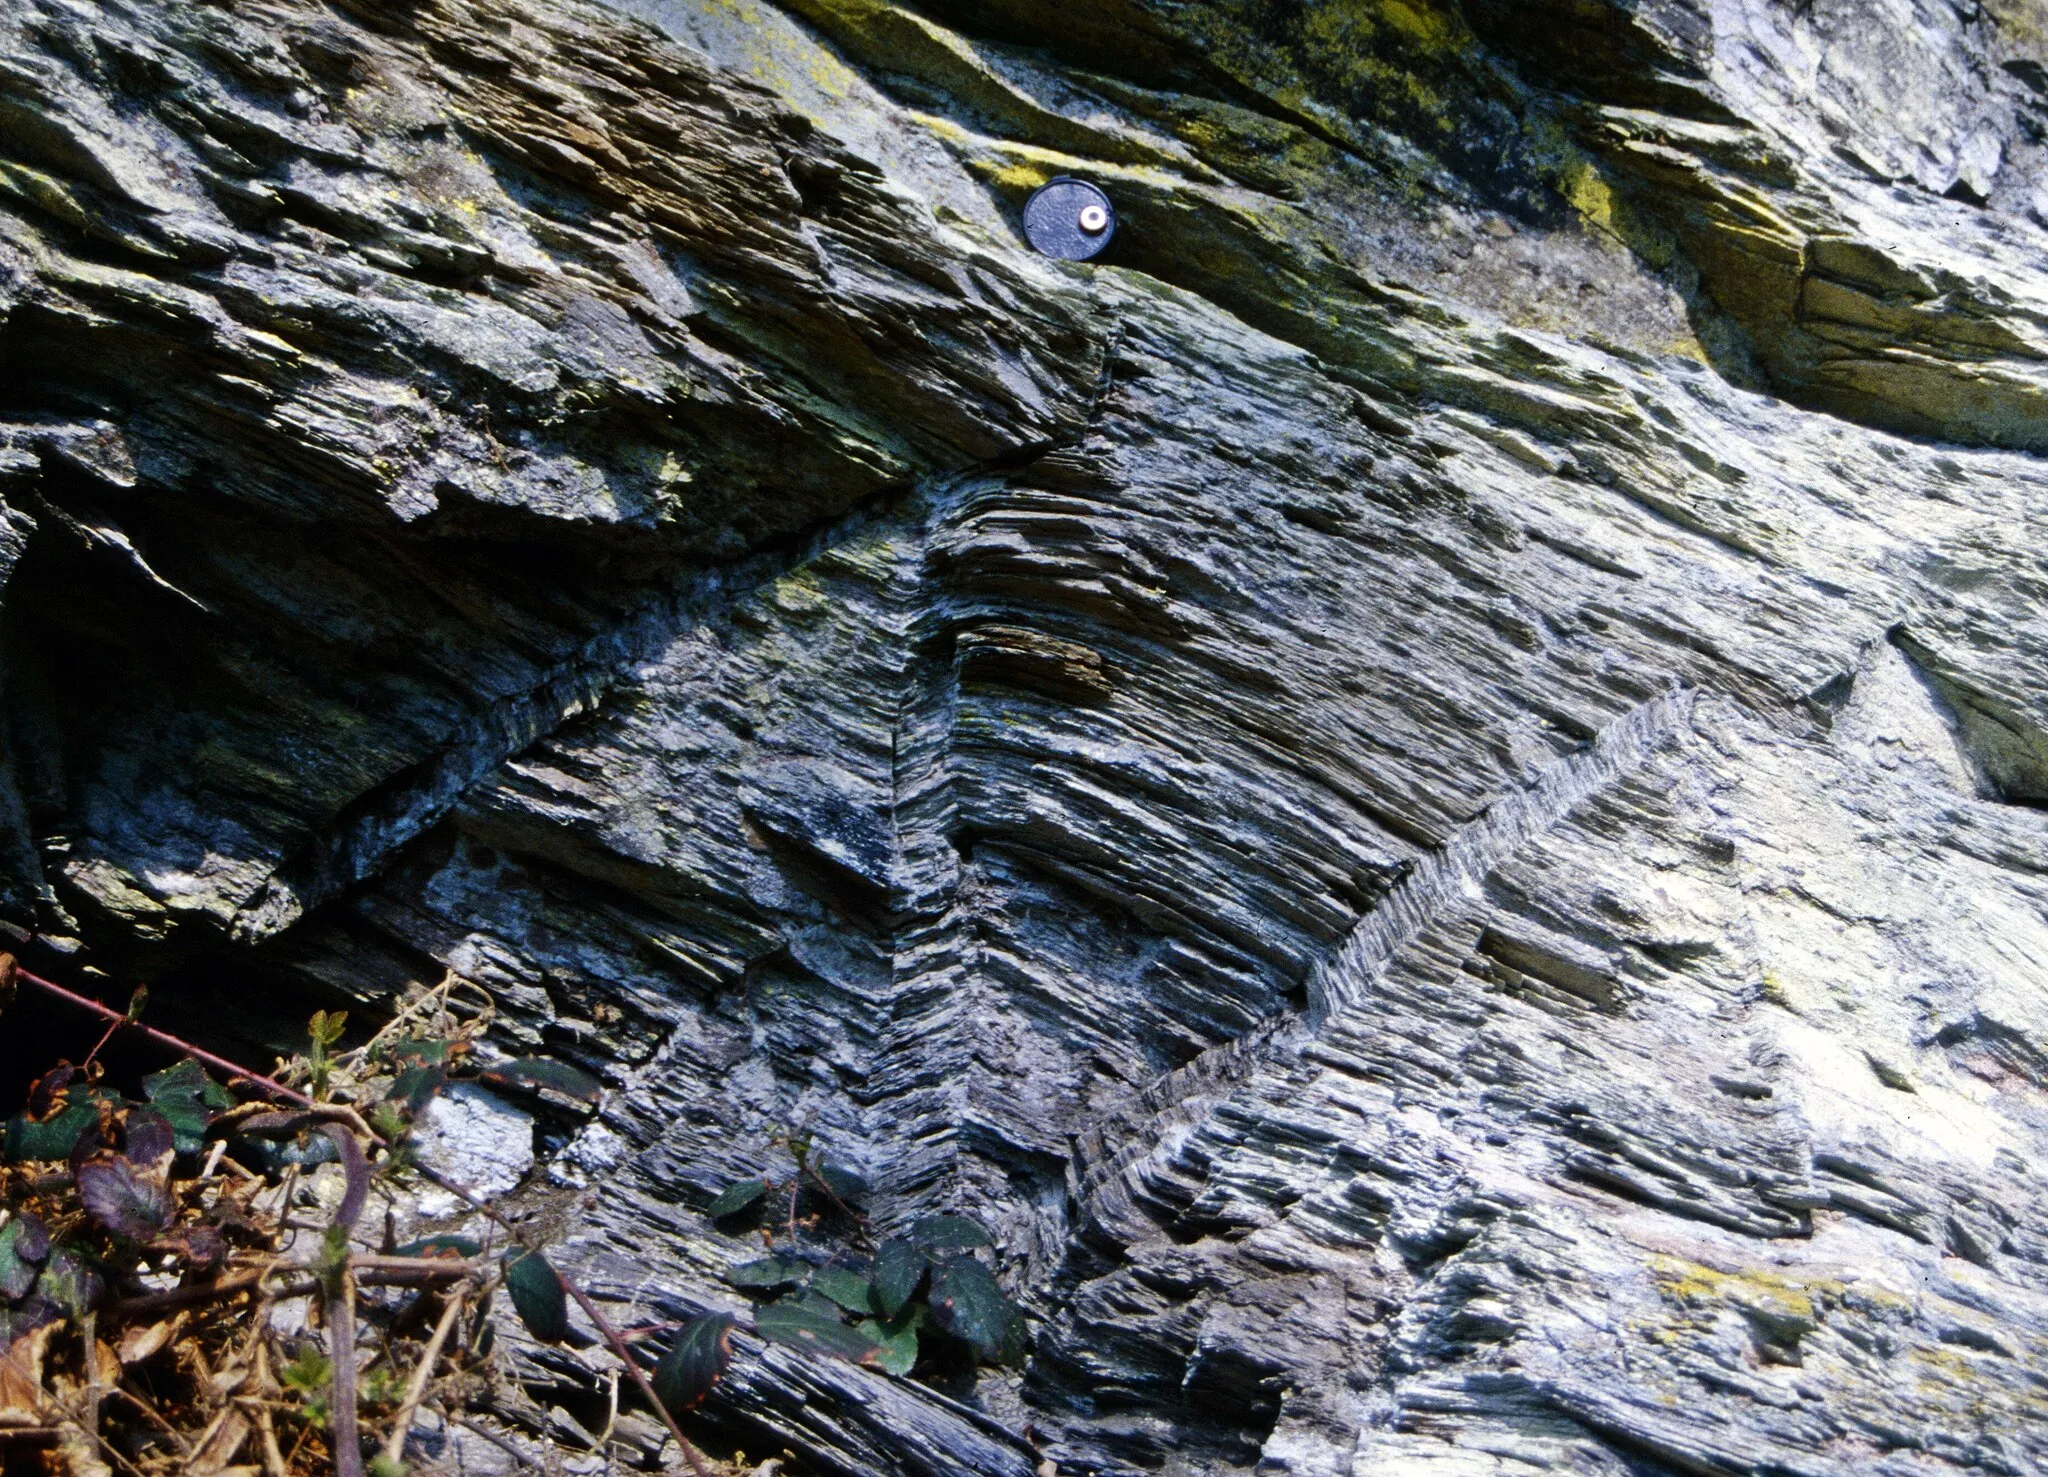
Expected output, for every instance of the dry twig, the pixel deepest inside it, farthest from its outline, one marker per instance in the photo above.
(346, 1128)
(423, 1372)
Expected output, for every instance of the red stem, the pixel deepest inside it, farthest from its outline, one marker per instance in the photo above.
(105, 1036)
(639, 1376)
(163, 1038)
(860, 1224)
(234, 1071)
(341, 1339)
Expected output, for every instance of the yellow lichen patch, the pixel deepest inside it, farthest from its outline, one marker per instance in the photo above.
(1588, 192)
(775, 51)
(1958, 1381)
(1254, 148)
(1382, 59)
(1686, 346)
(1943, 1364)
(798, 594)
(1424, 25)
(1793, 1303)
(1583, 184)
(1019, 177)
(943, 128)
(1348, 29)
(2019, 20)
(34, 187)
(1024, 167)
(667, 471)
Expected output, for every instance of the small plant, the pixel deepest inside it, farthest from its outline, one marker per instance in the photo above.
(924, 1296)
(323, 1032)
(143, 1241)
(139, 1236)
(309, 1376)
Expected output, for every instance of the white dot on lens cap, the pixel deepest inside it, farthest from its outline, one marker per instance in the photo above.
(1094, 219)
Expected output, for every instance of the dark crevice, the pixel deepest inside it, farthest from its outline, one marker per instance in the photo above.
(2006, 748)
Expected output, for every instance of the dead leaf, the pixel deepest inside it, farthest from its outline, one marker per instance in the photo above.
(222, 1444)
(138, 1344)
(21, 1378)
(110, 1367)
(78, 1458)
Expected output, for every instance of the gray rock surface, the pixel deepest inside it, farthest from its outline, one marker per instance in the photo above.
(477, 1140)
(1424, 786)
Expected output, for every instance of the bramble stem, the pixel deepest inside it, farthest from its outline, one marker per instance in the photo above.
(348, 1453)
(162, 1038)
(341, 1332)
(859, 1222)
(646, 1386)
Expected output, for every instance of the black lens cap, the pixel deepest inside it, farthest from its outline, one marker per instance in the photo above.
(1070, 219)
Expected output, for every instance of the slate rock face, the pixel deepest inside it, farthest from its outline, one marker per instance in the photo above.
(1422, 785)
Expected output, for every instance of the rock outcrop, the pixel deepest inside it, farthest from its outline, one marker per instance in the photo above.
(1423, 785)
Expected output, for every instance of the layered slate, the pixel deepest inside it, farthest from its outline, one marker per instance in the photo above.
(1412, 786)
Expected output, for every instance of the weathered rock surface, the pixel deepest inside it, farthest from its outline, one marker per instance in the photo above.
(1424, 786)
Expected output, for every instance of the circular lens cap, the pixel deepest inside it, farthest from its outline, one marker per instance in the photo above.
(1070, 219)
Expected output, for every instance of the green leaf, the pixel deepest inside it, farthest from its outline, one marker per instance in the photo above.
(309, 1373)
(188, 1100)
(322, 1031)
(735, 1198)
(185, 1079)
(388, 1123)
(804, 1327)
(769, 1271)
(849, 1290)
(948, 1233)
(897, 1341)
(537, 1295)
(968, 1303)
(188, 1122)
(540, 1074)
(70, 1281)
(414, 1087)
(899, 1268)
(56, 1137)
(24, 1242)
(694, 1363)
(416, 1051)
(824, 1307)
(325, 1028)
(460, 1247)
